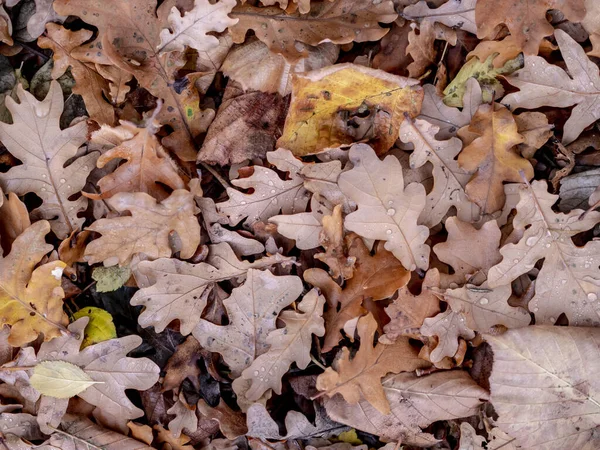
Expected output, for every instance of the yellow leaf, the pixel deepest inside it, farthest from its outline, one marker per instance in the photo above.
(100, 327)
(349, 437)
(60, 379)
(345, 103)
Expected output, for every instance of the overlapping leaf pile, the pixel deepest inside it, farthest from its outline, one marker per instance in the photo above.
(325, 224)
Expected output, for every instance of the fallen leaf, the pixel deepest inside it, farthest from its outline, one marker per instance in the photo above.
(352, 103)
(447, 326)
(100, 327)
(14, 220)
(386, 209)
(231, 423)
(526, 19)
(37, 140)
(360, 377)
(109, 279)
(542, 84)
(183, 365)
(185, 417)
(147, 230)
(507, 49)
(535, 129)
(493, 157)
(60, 379)
(453, 14)
(566, 282)
(341, 265)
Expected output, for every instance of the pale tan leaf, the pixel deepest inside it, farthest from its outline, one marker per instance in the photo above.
(191, 29)
(568, 281)
(469, 439)
(36, 139)
(231, 423)
(454, 14)
(448, 326)
(287, 345)
(416, 402)
(44, 13)
(185, 417)
(386, 210)
(341, 264)
(147, 230)
(60, 379)
(179, 290)
(544, 404)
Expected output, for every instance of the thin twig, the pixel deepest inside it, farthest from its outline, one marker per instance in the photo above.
(216, 174)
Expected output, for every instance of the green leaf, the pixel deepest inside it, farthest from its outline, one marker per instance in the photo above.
(100, 327)
(60, 379)
(110, 279)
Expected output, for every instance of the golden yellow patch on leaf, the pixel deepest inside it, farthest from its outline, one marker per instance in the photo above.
(100, 328)
(346, 103)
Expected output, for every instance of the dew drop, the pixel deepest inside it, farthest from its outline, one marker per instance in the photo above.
(273, 191)
(242, 203)
(62, 180)
(592, 297)
(391, 202)
(548, 245)
(270, 183)
(256, 373)
(536, 309)
(262, 369)
(43, 175)
(563, 281)
(388, 231)
(531, 241)
(484, 301)
(391, 212)
(552, 319)
(515, 261)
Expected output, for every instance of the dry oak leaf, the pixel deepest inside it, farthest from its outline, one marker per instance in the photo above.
(36, 139)
(415, 403)
(183, 365)
(525, 19)
(146, 167)
(568, 281)
(14, 220)
(105, 363)
(483, 307)
(376, 276)
(336, 253)
(387, 211)
(392, 55)
(167, 441)
(544, 84)
(421, 49)
(271, 194)
(252, 310)
(447, 326)
(408, 311)
(543, 403)
(535, 129)
(507, 49)
(345, 103)
(493, 156)
(258, 116)
(340, 22)
(231, 423)
(185, 417)
(80, 433)
(468, 265)
(449, 179)
(89, 83)
(191, 29)
(453, 14)
(591, 23)
(128, 36)
(360, 377)
(147, 230)
(179, 290)
(31, 298)
(275, 74)
(287, 345)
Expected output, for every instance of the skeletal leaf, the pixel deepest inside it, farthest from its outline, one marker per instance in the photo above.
(386, 210)
(147, 230)
(449, 179)
(252, 309)
(60, 379)
(360, 376)
(287, 345)
(31, 298)
(353, 103)
(448, 326)
(192, 28)
(37, 140)
(568, 281)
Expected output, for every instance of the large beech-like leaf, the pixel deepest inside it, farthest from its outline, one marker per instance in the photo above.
(340, 22)
(386, 209)
(449, 179)
(360, 377)
(147, 230)
(569, 281)
(252, 309)
(37, 140)
(287, 345)
(31, 298)
(544, 84)
(544, 402)
(415, 402)
(179, 290)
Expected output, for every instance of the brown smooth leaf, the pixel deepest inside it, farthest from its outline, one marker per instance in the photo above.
(231, 423)
(258, 116)
(535, 129)
(37, 140)
(359, 377)
(14, 220)
(376, 276)
(147, 230)
(392, 57)
(340, 22)
(525, 19)
(493, 156)
(31, 298)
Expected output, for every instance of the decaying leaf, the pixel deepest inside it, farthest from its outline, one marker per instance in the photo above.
(37, 140)
(568, 281)
(111, 278)
(386, 209)
(347, 103)
(359, 377)
(147, 230)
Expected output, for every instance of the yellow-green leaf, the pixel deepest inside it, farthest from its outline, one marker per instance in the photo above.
(349, 437)
(99, 328)
(60, 379)
(110, 279)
